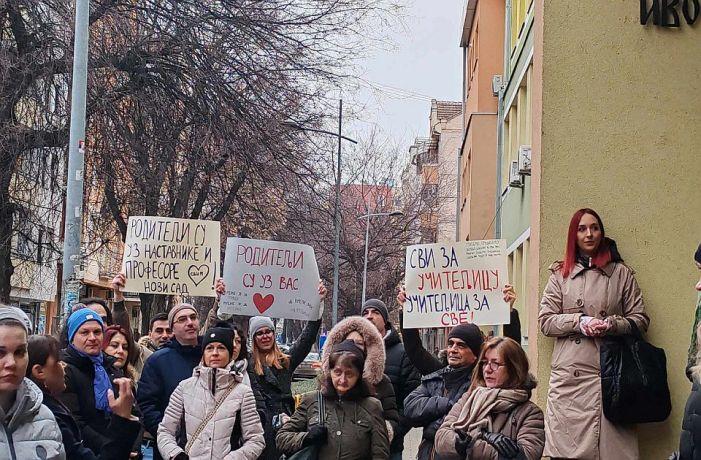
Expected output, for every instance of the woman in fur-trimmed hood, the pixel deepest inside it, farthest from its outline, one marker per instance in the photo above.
(367, 338)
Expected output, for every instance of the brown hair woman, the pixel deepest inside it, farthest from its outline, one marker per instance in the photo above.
(495, 417)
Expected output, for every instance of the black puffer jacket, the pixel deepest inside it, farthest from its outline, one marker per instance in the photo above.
(123, 434)
(404, 377)
(273, 389)
(79, 397)
(428, 405)
(690, 443)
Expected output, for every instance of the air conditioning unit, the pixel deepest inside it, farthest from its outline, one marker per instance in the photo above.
(515, 178)
(524, 160)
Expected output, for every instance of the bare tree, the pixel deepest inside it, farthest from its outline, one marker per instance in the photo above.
(370, 186)
(185, 102)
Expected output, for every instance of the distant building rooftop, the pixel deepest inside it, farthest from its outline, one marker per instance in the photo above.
(446, 110)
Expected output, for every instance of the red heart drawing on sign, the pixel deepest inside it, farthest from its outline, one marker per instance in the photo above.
(263, 303)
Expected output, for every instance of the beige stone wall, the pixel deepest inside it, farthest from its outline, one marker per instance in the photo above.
(617, 130)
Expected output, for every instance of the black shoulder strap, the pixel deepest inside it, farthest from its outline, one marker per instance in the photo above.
(321, 407)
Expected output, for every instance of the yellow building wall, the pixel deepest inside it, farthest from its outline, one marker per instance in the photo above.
(616, 129)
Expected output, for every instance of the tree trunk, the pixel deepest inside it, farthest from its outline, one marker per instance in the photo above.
(151, 305)
(6, 267)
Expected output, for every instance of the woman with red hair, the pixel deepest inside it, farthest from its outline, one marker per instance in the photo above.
(590, 294)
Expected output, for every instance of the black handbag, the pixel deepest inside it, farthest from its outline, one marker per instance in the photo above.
(311, 452)
(634, 385)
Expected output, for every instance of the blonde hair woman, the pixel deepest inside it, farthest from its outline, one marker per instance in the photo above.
(270, 371)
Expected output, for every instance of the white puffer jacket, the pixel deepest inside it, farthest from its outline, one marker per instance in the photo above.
(195, 398)
(29, 429)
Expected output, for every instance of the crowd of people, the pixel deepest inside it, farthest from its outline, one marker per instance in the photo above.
(195, 388)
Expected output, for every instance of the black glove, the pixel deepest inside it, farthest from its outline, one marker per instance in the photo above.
(317, 436)
(181, 456)
(503, 444)
(462, 442)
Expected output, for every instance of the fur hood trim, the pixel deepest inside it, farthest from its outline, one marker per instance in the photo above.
(374, 346)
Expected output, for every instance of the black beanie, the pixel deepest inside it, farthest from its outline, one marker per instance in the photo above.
(470, 334)
(223, 335)
(697, 255)
(378, 305)
(348, 346)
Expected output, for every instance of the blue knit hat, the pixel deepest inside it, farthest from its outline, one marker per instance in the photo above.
(80, 317)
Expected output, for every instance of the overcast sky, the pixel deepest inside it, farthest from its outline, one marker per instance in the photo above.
(424, 62)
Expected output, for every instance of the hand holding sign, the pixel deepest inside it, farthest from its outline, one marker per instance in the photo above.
(169, 256)
(451, 284)
(271, 278)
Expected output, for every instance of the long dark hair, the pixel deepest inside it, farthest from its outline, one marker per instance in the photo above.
(40, 349)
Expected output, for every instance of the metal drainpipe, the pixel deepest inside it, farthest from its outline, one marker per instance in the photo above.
(500, 125)
(458, 204)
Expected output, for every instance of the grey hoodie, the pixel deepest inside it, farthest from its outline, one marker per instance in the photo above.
(28, 429)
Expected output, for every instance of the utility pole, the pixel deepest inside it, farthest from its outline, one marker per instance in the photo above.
(76, 151)
(337, 218)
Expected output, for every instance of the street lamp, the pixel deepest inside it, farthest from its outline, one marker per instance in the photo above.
(367, 236)
(337, 212)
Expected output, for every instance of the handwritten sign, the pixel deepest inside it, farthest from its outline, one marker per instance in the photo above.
(169, 256)
(451, 284)
(270, 278)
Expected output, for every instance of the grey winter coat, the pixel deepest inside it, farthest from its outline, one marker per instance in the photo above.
(29, 429)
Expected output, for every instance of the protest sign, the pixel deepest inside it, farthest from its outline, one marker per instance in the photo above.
(456, 283)
(164, 255)
(270, 278)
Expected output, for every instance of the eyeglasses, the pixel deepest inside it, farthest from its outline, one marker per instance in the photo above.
(184, 319)
(492, 365)
(263, 332)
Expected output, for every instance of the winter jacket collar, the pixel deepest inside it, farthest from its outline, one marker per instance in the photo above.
(450, 375)
(217, 379)
(392, 338)
(185, 349)
(72, 357)
(374, 346)
(26, 406)
(606, 270)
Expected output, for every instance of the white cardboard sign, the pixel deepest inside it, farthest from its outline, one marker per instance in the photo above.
(169, 256)
(456, 283)
(270, 278)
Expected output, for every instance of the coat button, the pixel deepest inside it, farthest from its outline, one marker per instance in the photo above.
(580, 302)
(577, 340)
(338, 433)
(576, 373)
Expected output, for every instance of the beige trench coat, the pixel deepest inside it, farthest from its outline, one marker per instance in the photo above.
(575, 426)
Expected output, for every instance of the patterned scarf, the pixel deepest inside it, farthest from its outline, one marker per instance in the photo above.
(101, 381)
(481, 402)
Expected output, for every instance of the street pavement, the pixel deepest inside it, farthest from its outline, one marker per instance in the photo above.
(411, 444)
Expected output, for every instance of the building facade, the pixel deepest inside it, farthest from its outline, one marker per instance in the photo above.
(430, 177)
(481, 41)
(594, 110)
(614, 114)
